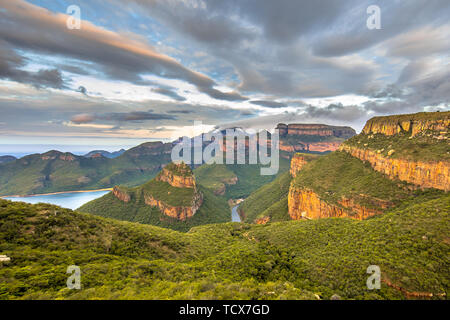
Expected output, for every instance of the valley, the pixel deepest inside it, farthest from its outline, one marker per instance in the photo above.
(309, 232)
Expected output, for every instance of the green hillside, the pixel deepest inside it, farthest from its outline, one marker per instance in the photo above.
(422, 147)
(218, 176)
(56, 172)
(285, 260)
(339, 175)
(268, 201)
(214, 209)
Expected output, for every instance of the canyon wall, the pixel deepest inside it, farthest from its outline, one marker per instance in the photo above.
(297, 163)
(311, 146)
(413, 123)
(178, 176)
(121, 194)
(315, 130)
(306, 204)
(177, 181)
(180, 213)
(424, 174)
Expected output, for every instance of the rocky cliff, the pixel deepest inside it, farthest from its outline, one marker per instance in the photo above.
(176, 212)
(178, 176)
(306, 204)
(315, 130)
(298, 161)
(411, 123)
(312, 137)
(310, 146)
(168, 193)
(413, 147)
(424, 174)
(121, 194)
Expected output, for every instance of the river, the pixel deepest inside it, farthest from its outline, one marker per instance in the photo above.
(70, 200)
(235, 215)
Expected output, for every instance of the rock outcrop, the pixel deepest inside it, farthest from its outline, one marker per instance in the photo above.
(53, 155)
(424, 174)
(262, 220)
(306, 204)
(121, 194)
(178, 176)
(180, 213)
(315, 130)
(297, 163)
(312, 137)
(411, 123)
(183, 179)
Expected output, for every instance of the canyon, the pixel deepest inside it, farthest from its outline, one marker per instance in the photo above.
(392, 131)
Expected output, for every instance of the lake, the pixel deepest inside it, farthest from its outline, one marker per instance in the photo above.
(71, 200)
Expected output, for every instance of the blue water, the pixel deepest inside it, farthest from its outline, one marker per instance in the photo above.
(235, 215)
(71, 200)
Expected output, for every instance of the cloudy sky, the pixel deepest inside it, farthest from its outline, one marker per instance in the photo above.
(139, 70)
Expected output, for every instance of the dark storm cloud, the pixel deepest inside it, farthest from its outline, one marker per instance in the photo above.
(135, 116)
(269, 104)
(169, 93)
(29, 27)
(10, 69)
(180, 111)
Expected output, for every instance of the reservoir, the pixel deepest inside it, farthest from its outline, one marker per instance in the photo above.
(70, 200)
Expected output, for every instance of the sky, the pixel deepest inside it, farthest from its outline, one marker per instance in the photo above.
(139, 70)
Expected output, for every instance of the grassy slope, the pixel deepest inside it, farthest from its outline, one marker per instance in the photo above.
(214, 176)
(270, 197)
(213, 210)
(32, 175)
(291, 260)
(418, 148)
(249, 177)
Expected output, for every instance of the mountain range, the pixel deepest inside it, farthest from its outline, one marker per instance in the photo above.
(312, 232)
(56, 171)
(106, 154)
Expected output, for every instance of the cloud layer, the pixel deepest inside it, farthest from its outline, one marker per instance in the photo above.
(144, 68)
